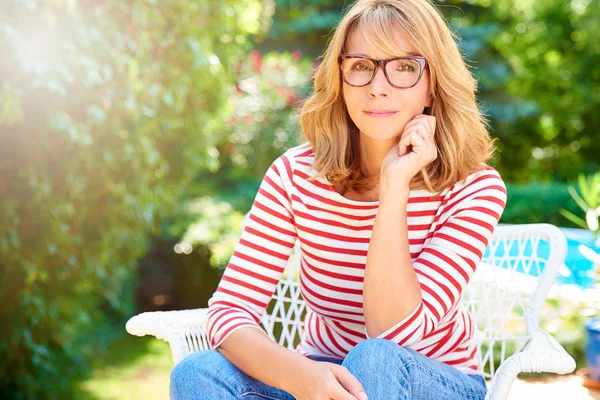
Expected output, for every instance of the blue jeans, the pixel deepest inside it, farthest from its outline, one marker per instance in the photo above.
(386, 371)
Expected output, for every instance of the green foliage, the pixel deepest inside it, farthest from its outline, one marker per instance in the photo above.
(304, 23)
(536, 67)
(262, 126)
(264, 122)
(564, 318)
(131, 368)
(211, 223)
(588, 201)
(106, 113)
(538, 202)
(553, 51)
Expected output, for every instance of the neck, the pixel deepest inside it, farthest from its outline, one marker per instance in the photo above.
(372, 152)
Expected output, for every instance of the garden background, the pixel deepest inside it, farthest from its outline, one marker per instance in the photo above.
(134, 135)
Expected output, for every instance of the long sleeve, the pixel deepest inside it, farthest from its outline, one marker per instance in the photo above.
(259, 258)
(452, 253)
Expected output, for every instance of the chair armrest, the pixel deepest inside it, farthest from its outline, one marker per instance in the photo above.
(542, 354)
(185, 330)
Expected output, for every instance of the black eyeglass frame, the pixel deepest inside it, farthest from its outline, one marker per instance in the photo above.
(382, 64)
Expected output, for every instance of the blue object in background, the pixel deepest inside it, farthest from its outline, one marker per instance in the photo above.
(578, 269)
(592, 348)
(581, 267)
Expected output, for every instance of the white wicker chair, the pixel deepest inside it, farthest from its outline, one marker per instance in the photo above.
(504, 296)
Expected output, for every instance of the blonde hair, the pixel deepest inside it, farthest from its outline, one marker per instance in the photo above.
(461, 134)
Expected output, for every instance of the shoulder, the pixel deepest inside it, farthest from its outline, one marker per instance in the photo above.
(302, 153)
(298, 157)
(485, 183)
(485, 178)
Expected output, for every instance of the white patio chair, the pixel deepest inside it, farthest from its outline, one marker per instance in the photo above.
(505, 296)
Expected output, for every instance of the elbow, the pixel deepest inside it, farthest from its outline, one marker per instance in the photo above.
(377, 327)
(403, 328)
(373, 332)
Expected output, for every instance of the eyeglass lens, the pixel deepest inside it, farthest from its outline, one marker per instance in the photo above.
(402, 73)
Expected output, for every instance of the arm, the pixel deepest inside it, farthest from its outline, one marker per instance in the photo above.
(277, 366)
(391, 289)
(265, 359)
(245, 291)
(399, 311)
(259, 258)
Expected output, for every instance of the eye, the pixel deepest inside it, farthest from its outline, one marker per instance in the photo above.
(407, 67)
(361, 66)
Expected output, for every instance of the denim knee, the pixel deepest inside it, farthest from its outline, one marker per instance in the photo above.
(196, 374)
(375, 353)
(208, 375)
(376, 347)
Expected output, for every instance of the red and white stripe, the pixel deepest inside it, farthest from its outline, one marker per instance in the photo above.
(448, 234)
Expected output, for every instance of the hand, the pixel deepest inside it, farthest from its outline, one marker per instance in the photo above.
(320, 380)
(412, 153)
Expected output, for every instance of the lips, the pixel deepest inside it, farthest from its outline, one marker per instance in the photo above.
(380, 113)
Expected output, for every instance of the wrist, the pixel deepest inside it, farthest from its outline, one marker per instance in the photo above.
(294, 378)
(399, 190)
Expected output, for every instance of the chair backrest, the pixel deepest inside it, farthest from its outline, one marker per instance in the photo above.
(504, 296)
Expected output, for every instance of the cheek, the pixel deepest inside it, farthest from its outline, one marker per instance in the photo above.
(351, 100)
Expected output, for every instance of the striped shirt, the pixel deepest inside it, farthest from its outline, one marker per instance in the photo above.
(447, 233)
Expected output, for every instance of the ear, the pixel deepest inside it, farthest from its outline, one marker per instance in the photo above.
(429, 101)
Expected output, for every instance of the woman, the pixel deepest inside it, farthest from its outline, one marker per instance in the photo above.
(393, 206)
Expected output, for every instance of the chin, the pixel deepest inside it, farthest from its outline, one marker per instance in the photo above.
(382, 135)
(382, 130)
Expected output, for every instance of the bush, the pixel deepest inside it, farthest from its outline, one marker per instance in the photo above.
(538, 202)
(107, 111)
(266, 102)
(269, 91)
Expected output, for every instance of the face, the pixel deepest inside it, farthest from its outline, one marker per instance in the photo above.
(379, 95)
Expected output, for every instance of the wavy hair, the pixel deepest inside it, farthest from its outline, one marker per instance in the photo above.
(461, 135)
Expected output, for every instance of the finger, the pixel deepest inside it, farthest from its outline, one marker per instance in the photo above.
(430, 140)
(342, 394)
(419, 145)
(404, 143)
(421, 118)
(432, 122)
(411, 140)
(431, 126)
(414, 126)
(424, 124)
(350, 383)
(339, 393)
(424, 149)
(428, 130)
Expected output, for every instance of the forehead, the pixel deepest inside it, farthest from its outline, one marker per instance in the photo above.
(358, 41)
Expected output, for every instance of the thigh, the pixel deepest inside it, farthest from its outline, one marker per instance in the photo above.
(389, 371)
(436, 380)
(209, 375)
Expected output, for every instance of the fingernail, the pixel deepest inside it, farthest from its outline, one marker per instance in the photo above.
(363, 396)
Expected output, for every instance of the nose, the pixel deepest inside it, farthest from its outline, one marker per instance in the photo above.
(380, 85)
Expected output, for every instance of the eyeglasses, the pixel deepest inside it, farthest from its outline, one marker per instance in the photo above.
(400, 72)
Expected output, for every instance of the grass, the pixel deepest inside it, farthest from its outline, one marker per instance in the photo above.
(132, 368)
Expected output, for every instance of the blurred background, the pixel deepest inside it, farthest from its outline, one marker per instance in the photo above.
(134, 135)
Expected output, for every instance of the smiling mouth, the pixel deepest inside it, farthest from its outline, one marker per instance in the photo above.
(380, 114)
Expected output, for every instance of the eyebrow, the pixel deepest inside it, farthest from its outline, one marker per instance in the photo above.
(410, 53)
